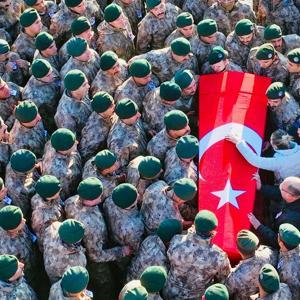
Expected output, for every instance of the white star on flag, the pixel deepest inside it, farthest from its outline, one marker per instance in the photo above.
(228, 195)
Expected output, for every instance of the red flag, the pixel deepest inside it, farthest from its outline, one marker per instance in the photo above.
(229, 102)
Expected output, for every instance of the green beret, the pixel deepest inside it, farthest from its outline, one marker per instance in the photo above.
(247, 241)
(28, 17)
(289, 234)
(62, 139)
(140, 68)
(269, 279)
(276, 90)
(72, 3)
(74, 79)
(136, 293)
(205, 221)
(170, 91)
(107, 60)
(153, 279)
(1, 183)
(40, 68)
(183, 78)
(76, 46)
(112, 12)
(80, 25)
(8, 266)
(4, 46)
(152, 3)
(30, 2)
(90, 188)
(168, 228)
(265, 52)
(43, 41)
(149, 167)
(207, 27)
(216, 55)
(124, 195)
(216, 291)
(47, 186)
(244, 27)
(22, 161)
(187, 147)
(126, 108)
(71, 231)
(75, 280)
(181, 46)
(10, 217)
(101, 102)
(184, 19)
(105, 159)
(294, 56)
(175, 120)
(26, 111)
(272, 32)
(185, 189)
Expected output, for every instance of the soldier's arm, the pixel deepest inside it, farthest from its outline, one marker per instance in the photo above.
(144, 38)
(224, 269)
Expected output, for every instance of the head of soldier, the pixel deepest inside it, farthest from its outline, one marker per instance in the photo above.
(76, 84)
(176, 123)
(266, 55)
(31, 22)
(127, 111)
(157, 8)
(185, 24)
(4, 50)
(140, 70)
(273, 35)
(42, 71)
(3, 190)
(133, 290)
(181, 50)
(227, 4)
(268, 280)
(77, 6)
(90, 191)
(109, 63)
(63, 141)
(169, 93)
(275, 94)
(106, 162)
(216, 291)
(125, 196)
(150, 168)
(11, 269)
(71, 232)
(4, 90)
(81, 28)
(290, 189)
(186, 81)
(23, 162)
(168, 228)
(39, 5)
(294, 61)
(153, 279)
(288, 237)
(187, 147)
(113, 14)
(207, 31)
(79, 49)
(27, 114)
(218, 59)
(183, 189)
(46, 45)
(48, 187)
(247, 243)
(244, 29)
(206, 223)
(103, 104)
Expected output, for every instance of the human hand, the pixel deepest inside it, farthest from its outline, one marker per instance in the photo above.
(233, 137)
(127, 250)
(256, 177)
(253, 220)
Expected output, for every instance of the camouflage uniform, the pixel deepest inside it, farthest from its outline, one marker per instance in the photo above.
(51, 9)
(194, 264)
(238, 52)
(284, 292)
(54, 60)
(197, 8)
(231, 66)
(72, 113)
(242, 280)
(4, 157)
(177, 34)
(294, 87)
(227, 20)
(289, 42)
(158, 205)
(288, 269)
(153, 31)
(59, 256)
(127, 142)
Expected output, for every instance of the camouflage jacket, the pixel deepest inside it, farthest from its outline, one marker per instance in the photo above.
(289, 42)
(231, 66)
(197, 8)
(294, 86)
(177, 34)
(284, 292)
(4, 156)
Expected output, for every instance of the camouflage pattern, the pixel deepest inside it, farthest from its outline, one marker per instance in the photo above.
(284, 292)
(294, 87)
(238, 52)
(289, 42)
(54, 60)
(288, 269)
(125, 226)
(109, 83)
(227, 20)
(153, 31)
(197, 8)
(72, 113)
(4, 156)
(67, 168)
(59, 256)
(177, 34)
(231, 66)
(186, 104)
(127, 142)
(194, 265)
(51, 9)
(158, 205)
(175, 168)
(4, 35)
(242, 280)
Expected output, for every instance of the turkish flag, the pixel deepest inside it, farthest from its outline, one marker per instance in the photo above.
(229, 102)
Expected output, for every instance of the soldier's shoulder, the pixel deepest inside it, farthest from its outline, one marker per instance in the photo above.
(231, 38)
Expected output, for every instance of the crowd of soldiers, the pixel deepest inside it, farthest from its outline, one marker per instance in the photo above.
(98, 126)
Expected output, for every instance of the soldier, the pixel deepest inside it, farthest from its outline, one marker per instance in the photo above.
(245, 36)
(270, 286)
(282, 43)
(176, 126)
(4, 199)
(294, 72)
(46, 206)
(228, 12)
(31, 27)
(62, 248)
(133, 291)
(242, 280)
(138, 84)
(61, 157)
(5, 150)
(216, 291)
(74, 107)
(73, 284)
(113, 72)
(127, 138)
(115, 33)
(12, 281)
(197, 8)
(190, 273)
(185, 28)
(266, 61)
